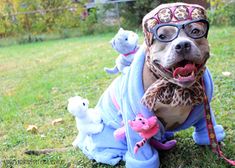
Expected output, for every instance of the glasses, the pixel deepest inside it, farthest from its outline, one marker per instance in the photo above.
(168, 32)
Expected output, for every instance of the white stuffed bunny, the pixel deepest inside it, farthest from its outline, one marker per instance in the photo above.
(88, 120)
(124, 42)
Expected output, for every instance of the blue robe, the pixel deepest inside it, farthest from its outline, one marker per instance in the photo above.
(121, 102)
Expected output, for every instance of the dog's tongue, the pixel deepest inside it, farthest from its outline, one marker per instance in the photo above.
(184, 71)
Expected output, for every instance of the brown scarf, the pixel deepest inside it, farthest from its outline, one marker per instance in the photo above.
(165, 92)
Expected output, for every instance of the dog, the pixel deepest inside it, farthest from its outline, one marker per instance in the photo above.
(169, 56)
(168, 79)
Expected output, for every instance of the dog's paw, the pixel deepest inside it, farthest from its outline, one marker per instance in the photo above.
(201, 138)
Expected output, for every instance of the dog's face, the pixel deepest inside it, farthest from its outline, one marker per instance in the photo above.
(181, 59)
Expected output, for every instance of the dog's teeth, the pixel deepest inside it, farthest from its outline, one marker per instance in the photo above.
(172, 69)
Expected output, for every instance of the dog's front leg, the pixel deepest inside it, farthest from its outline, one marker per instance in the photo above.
(200, 134)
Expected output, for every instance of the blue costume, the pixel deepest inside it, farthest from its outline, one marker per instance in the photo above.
(121, 102)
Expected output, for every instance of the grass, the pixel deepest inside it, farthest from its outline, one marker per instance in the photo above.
(37, 79)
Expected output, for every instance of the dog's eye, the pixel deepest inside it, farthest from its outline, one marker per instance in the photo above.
(83, 104)
(162, 37)
(195, 31)
(140, 119)
(143, 123)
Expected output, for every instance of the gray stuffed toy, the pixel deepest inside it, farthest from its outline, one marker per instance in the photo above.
(125, 42)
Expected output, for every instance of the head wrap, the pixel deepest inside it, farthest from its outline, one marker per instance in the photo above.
(170, 13)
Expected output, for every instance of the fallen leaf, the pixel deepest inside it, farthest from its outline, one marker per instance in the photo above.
(57, 121)
(212, 54)
(54, 90)
(32, 129)
(226, 73)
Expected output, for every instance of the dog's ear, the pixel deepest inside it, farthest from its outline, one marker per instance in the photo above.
(148, 25)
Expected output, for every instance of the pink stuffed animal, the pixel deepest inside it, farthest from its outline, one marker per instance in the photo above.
(145, 127)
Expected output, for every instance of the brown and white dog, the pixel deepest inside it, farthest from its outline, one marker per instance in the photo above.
(169, 56)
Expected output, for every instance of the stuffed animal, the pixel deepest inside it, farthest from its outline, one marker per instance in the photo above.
(120, 133)
(88, 120)
(147, 128)
(125, 42)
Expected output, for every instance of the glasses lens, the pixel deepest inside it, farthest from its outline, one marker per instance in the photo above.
(166, 33)
(196, 29)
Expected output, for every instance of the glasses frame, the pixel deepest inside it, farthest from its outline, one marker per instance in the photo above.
(179, 26)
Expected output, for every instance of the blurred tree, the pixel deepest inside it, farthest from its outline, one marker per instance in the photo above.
(222, 12)
(133, 12)
(34, 17)
(7, 10)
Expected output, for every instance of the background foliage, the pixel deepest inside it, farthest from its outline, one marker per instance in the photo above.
(38, 78)
(133, 12)
(32, 18)
(38, 20)
(222, 12)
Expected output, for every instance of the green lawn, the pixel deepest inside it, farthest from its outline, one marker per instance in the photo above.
(37, 79)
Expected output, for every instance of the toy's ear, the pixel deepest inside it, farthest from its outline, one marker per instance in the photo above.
(69, 100)
(74, 98)
(121, 30)
(140, 115)
(111, 41)
(135, 34)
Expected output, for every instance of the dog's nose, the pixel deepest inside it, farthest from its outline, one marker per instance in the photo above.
(183, 47)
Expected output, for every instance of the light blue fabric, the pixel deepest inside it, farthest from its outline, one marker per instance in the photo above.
(127, 89)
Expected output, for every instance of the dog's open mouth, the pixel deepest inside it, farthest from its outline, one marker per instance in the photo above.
(183, 71)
